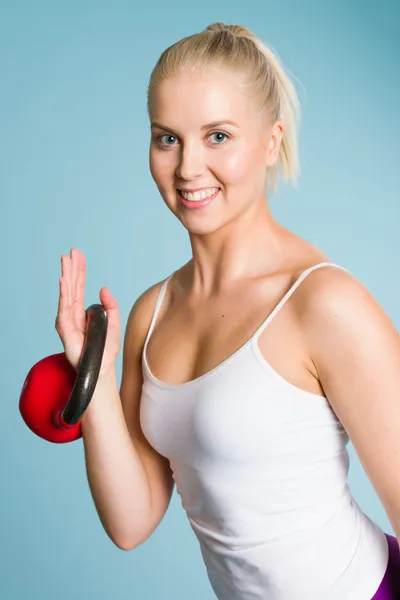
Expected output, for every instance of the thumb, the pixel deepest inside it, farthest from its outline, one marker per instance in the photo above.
(107, 299)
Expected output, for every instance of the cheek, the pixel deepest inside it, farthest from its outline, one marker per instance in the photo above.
(152, 164)
(160, 167)
(241, 164)
(240, 168)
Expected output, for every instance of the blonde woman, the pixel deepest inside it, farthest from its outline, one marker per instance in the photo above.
(247, 371)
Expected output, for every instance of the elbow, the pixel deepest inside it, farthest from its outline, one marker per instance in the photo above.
(128, 544)
(122, 544)
(125, 547)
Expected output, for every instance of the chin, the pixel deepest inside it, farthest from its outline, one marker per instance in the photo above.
(206, 227)
(201, 230)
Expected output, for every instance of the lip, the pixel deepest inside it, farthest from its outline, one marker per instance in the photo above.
(197, 204)
(192, 191)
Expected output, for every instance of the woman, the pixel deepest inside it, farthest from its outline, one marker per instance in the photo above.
(246, 371)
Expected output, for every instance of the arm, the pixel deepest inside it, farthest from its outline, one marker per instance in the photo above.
(355, 348)
(130, 482)
(157, 467)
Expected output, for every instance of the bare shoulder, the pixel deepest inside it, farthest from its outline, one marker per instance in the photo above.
(141, 313)
(330, 290)
(340, 316)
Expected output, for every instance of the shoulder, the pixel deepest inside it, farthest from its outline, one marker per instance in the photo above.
(330, 292)
(343, 322)
(142, 310)
(140, 316)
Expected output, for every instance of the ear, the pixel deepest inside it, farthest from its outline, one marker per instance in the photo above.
(274, 143)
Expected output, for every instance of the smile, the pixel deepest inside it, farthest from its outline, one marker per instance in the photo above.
(199, 198)
(199, 194)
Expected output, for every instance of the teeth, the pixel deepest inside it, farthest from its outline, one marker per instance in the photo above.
(201, 195)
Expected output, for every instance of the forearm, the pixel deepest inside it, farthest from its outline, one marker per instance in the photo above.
(116, 474)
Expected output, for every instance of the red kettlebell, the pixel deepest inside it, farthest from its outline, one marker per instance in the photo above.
(54, 396)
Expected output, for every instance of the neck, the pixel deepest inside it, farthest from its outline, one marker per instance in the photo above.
(246, 247)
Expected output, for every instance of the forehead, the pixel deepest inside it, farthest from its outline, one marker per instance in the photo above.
(201, 98)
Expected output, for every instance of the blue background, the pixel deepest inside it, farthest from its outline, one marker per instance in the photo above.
(74, 172)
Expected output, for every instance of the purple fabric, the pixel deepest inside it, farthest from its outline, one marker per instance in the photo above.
(389, 588)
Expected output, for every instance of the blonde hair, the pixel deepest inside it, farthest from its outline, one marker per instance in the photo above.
(235, 47)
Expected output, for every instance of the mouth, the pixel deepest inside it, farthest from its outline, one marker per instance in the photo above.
(195, 199)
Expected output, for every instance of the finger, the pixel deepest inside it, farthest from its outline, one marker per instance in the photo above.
(79, 304)
(111, 306)
(74, 254)
(63, 305)
(80, 292)
(66, 261)
(107, 299)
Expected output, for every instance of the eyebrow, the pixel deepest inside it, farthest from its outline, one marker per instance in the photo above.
(207, 126)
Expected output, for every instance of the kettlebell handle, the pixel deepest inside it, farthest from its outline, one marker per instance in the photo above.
(89, 366)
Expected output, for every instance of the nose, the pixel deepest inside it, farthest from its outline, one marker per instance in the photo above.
(191, 162)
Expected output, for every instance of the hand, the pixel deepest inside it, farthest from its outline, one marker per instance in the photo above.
(70, 321)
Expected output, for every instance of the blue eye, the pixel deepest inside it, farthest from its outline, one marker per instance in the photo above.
(168, 137)
(219, 134)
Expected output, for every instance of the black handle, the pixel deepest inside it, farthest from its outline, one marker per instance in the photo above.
(89, 365)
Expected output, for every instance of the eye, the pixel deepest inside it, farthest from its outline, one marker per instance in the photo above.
(166, 139)
(219, 136)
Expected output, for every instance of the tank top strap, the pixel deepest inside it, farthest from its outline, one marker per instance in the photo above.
(290, 292)
(157, 307)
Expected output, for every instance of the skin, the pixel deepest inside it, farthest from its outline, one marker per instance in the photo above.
(243, 259)
(331, 338)
(232, 233)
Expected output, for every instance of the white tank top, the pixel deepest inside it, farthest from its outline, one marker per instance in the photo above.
(261, 466)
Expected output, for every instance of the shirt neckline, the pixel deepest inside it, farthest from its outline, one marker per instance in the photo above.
(249, 342)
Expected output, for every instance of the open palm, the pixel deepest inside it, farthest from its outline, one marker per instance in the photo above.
(70, 321)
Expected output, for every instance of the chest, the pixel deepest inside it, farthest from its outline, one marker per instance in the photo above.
(188, 343)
